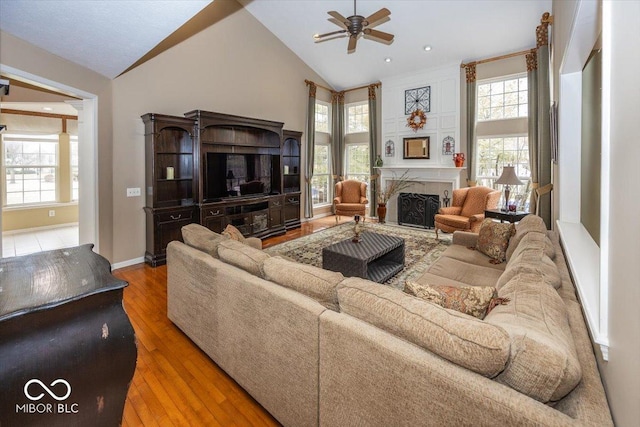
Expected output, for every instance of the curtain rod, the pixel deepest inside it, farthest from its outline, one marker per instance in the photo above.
(497, 58)
(378, 84)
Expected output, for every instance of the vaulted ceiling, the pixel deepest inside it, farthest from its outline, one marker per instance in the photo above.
(111, 36)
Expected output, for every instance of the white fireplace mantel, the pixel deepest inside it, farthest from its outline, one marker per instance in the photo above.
(447, 174)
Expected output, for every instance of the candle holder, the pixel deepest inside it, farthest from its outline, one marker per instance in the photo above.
(356, 230)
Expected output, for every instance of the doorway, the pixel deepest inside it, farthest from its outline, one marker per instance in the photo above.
(86, 105)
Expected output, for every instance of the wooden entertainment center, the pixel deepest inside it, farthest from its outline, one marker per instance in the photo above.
(195, 166)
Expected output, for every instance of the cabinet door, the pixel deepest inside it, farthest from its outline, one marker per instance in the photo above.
(292, 207)
(259, 221)
(213, 219)
(163, 227)
(275, 217)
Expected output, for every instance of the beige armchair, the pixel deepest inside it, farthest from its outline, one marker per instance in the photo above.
(467, 209)
(350, 198)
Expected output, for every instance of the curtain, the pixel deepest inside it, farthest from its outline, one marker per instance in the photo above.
(337, 138)
(309, 147)
(544, 129)
(471, 124)
(532, 82)
(373, 150)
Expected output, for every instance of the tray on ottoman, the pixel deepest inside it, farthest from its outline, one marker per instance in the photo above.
(376, 257)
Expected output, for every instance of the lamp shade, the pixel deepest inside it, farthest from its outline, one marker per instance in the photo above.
(509, 176)
(230, 175)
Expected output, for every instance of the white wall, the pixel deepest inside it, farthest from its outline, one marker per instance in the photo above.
(218, 70)
(443, 120)
(618, 293)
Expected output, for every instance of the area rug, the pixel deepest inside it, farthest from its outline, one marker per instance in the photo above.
(421, 248)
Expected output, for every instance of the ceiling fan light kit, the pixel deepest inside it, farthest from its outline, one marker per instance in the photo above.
(356, 26)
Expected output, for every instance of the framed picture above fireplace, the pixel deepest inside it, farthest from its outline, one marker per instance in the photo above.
(415, 148)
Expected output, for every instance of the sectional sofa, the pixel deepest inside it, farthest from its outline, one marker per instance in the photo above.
(315, 348)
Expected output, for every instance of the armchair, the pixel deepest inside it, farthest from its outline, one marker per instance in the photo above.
(467, 209)
(350, 198)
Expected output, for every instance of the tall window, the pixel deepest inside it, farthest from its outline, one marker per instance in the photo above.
(496, 152)
(322, 117)
(357, 117)
(357, 162)
(503, 99)
(30, 165)
(74, 167)
(321, 174)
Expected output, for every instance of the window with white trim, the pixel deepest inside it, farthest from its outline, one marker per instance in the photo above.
(31, 169)
(496, 152)
(506, 98)
(357, 117)
(320, 190)
(74, 167)
(323, 114)
(357, 162)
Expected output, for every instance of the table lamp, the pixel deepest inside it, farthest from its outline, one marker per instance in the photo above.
(508, 178)
(230, 177)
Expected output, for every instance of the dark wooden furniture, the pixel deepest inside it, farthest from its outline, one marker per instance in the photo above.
(170, 201)
(185, 144)
(67, 348)
(291, 177)
(376, 257)
(505, 216)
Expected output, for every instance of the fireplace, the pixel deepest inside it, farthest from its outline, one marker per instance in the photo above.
(418, 209)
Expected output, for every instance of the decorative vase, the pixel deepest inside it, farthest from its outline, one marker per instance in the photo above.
(378, 161)
(458, 159)
(356, 229)
(382, 212)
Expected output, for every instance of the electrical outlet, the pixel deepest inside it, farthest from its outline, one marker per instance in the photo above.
(133, 192)
(52, 213)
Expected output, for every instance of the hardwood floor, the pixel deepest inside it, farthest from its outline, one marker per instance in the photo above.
(175, 383)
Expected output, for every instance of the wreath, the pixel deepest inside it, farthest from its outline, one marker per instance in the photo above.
(417, 120)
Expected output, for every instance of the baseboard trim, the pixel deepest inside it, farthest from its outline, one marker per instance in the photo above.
(127, 263)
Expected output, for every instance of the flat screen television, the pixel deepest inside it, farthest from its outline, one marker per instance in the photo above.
(240, 175)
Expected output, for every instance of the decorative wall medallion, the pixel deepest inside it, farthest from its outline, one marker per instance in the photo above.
(389, 149)
(448, 145)
(416, 120)
(417, 99)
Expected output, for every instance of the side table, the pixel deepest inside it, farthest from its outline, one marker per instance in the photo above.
(505, 216)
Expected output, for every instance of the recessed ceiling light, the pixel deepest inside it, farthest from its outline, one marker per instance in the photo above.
(47, 108)
(387, 59)
(427, 48)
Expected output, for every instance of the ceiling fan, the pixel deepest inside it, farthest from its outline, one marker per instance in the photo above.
(355, 25)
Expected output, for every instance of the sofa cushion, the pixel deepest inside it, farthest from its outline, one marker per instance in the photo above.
(534, 241)
(470, 255)
(233, 233)
(242, 256)
(531, 262)
(461, 339)
(471, 300)
(543, 362)
(312, 281)
(530, 223)
(201, 238)
(469, 274)
(493, 239)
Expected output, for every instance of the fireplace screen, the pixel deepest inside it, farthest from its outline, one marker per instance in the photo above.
(418, 209)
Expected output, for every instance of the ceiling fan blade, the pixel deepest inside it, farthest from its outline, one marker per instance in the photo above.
(381, 35)
(352, 44)
(319, 36)
(343, 21)
(382, 13)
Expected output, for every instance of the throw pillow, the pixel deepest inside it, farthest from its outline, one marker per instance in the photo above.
(233, 233)
(493, 239)
(471, 300)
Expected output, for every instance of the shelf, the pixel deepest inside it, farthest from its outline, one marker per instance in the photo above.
(174, 153)
(175, 179)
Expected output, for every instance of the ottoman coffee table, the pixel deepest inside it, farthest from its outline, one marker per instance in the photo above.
(376, 257)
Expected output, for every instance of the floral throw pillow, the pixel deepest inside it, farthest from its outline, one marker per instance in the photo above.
(471, 300)
(233, 233)
(493, 239)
